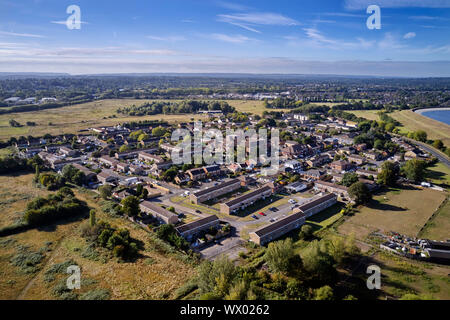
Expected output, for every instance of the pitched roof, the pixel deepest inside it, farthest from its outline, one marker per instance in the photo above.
(196, 224)
(279, 224)
(248, 196)
(215, 188)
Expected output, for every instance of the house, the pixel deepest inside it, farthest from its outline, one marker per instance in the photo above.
(277, 229)
(245, 200)
(367, 173)
(67, 151)
(108, 161)
(317, 161)
(341, 165)
(122, 167)
(314, 174)
(159, 213)
(246, 180)
(356, 159)
(292, 149)
(105, 177)
(317, 205)
(144, 156)
(189, 230)
(181, 178)
(296, 187)
(234, 168)
(215, 191)
(324, 186)
(212, 171)
(294, 166)
(136, 169)
(373, 155)
(90, 176)
(196, 174)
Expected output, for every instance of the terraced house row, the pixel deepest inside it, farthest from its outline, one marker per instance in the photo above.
(279, 228)
(215, 191)
(246, 200)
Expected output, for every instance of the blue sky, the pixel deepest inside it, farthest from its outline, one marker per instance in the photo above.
(321, 37)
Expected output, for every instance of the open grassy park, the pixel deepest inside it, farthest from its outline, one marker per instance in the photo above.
(72, 119)
(405, 210)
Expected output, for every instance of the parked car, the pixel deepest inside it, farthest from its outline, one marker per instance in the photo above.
(262, 213)
(254, 217)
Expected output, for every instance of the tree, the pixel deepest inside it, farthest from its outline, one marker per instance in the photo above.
(438, 144)
(319, 263)
(389, 173)
(306, 231)
(360, 193)
(420, 136)
(222, 271)
(349, 179)
(323, 293)
(279, 255)
(105, 191)
(92, 218)
(124, 148)
(130, 206)
(414, 169)
(379, 144)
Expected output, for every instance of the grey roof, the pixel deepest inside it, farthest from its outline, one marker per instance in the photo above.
(215, 188)
(279, 224)
(196, 224)
(316, 202)
(247, 196)
(158, 209)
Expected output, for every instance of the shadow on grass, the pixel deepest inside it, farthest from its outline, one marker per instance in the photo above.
(327, 213)
(377, 205)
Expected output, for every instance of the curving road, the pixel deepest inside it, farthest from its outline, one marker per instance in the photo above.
(441, 157)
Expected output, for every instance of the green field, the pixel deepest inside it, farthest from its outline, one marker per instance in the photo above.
(74, 118)
(439, 174)
(404, 210)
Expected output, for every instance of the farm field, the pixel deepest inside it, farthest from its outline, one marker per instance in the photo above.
(404, 210)
(156, 274)
(72, 119)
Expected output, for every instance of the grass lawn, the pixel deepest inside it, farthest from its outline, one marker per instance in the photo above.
(72, 119)
(438, 227)
(368, 114)
(155, 275)
(401, 276)
(404, 210)
(327, 217)
(439, 174)
(412, 121)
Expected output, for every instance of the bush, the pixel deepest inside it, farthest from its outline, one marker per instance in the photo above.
(97, 294)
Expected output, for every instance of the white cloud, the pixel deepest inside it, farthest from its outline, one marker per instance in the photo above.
(363, 4)
(168, 38)
(230, 38)
(249, 20)
(26, 35)
(409, 35)
(65, 22)
(232, 6)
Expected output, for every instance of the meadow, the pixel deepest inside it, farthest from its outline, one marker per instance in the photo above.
(156, 274)
(72, 119)
(405, 210)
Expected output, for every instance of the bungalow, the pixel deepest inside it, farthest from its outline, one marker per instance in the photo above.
(159, 213)
(189, 230)
(245, 200)
(317, 205)
(215, 191)
(277, 229)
